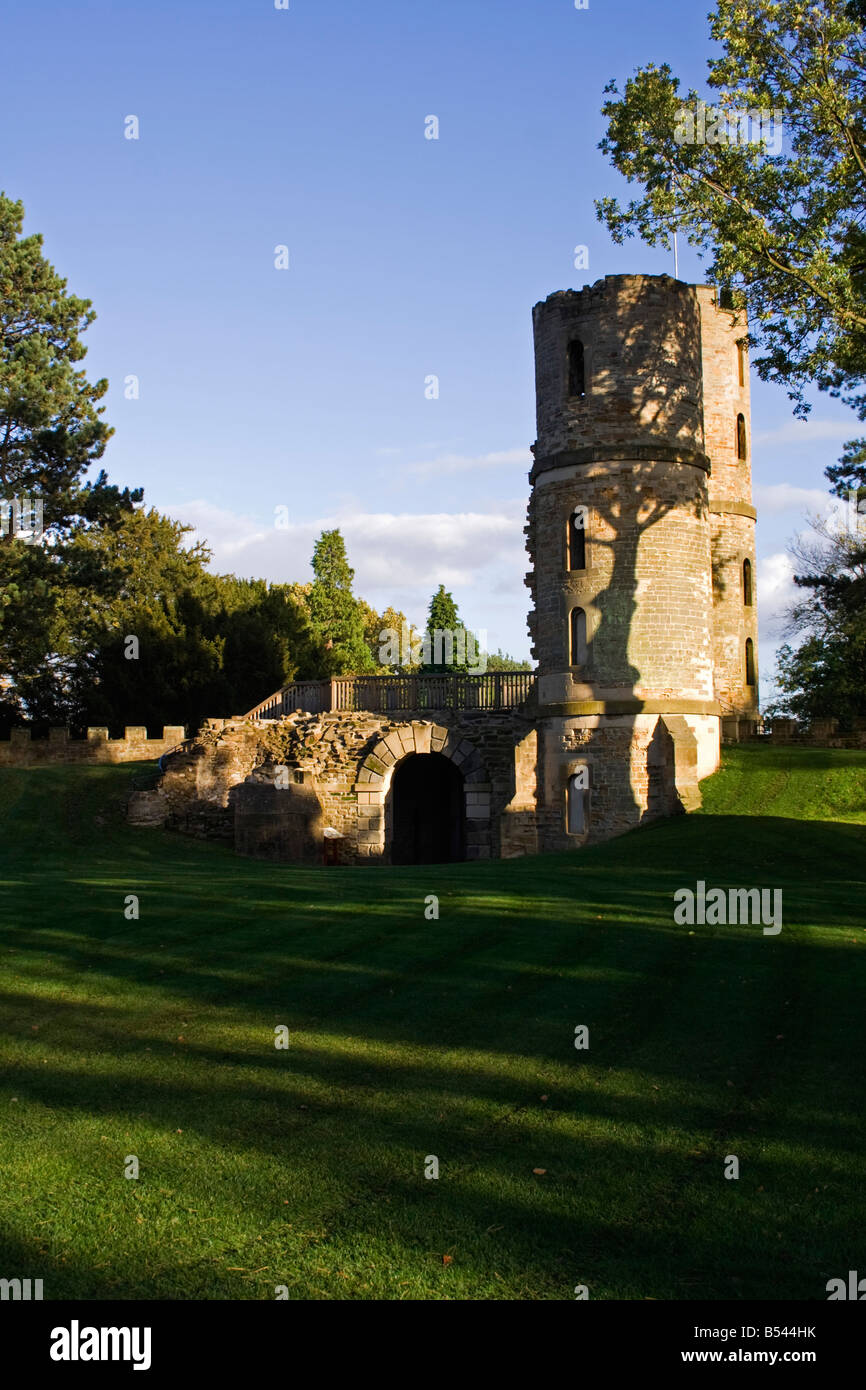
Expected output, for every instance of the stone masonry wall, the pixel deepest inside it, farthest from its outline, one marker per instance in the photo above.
(346, 763)
(642, 364)
(631, 451)
(730, 494)
(20, 750)
(646, 590)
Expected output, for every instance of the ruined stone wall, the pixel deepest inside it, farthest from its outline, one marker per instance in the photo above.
(220, 785)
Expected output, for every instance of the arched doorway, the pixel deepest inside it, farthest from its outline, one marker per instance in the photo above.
(428, 815)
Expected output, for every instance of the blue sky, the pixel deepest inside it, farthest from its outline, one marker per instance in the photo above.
(304, 388)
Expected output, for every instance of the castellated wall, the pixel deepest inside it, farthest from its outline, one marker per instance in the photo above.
(21, 750)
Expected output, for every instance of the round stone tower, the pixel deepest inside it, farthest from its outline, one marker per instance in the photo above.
(619, 535)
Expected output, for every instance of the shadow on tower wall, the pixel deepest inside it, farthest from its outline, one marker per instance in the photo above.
(664, 415)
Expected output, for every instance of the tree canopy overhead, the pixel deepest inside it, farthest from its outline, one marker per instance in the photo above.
(780, 219)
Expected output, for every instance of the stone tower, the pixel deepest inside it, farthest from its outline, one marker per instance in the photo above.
(728, 443)
(640, 524)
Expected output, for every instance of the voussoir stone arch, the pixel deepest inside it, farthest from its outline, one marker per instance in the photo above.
(377, 769)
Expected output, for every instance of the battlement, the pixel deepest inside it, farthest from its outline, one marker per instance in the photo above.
(22, 750)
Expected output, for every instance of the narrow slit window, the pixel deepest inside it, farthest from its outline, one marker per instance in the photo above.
(747, 583)
(741, 364)
(741, 437)
(576, 540)
(576, 369)
(575, 803)
(750, 661)
(578, 637)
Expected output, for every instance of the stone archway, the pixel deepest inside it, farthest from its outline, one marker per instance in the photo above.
(375, 778)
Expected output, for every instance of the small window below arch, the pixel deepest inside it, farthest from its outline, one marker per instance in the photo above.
(750, 661)
(577, 637)
(747, 583)
(576, 539)
(576, 797)
(741, 437)
(576, 369)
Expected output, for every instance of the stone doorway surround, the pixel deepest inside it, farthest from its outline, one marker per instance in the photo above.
(373, 787)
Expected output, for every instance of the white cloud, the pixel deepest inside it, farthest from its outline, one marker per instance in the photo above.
(398, 558)
(776, 590)
(807, 432)
(465, 463)
(771, 498)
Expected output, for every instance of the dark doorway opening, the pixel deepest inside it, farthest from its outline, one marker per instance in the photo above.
(428, 812)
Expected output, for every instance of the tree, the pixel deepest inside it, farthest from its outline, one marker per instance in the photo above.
(782, 226)
(51, 433)
(779, 207)
(335, 614)
(825, 675)
(448, 646)
(501, 661)
(51, 430)
(139, 631)
(391, 654)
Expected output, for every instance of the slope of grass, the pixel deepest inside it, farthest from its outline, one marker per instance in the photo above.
(796, 783)
(454, 1038)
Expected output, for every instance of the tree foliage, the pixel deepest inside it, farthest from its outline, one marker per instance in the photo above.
(335, 614)
(784, 227)
(825, 674)
(51, 426)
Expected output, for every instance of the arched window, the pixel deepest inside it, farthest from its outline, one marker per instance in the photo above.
(750, 661)
(576, 374)
(741, 437)
(576, 795)
(576, 539)
(741, 364)
(747, 583)
(577, 637)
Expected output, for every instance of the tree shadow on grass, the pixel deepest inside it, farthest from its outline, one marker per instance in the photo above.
(397, 1021)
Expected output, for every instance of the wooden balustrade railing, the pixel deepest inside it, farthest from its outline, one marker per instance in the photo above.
(398, 694)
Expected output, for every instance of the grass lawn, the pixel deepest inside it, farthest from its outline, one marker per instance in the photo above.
(455, 1038)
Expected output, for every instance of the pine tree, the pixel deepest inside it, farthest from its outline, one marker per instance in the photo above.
(446, 640)
(336, 616)
(51, 430)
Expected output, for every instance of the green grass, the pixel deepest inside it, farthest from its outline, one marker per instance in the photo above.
(411, 1037)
